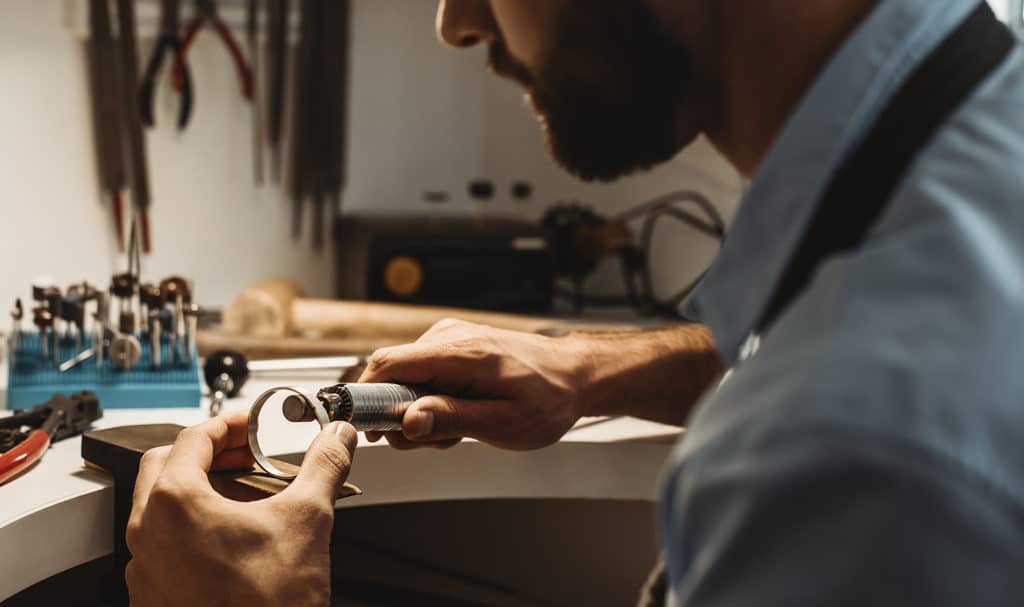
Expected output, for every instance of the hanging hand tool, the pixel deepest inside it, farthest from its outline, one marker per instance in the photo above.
(276, 67)
(252, 21)
(134, 148)
(106, 120)
(318, 142)
(334, 113)
(26, 435)
(206, 13)
(304, 100)
(169, 41)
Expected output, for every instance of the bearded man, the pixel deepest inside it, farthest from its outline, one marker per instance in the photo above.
(864, 447)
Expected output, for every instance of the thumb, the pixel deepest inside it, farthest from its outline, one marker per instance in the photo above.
(326, 463)
(440, 417)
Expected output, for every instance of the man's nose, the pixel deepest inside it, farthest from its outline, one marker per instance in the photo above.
(465, 23)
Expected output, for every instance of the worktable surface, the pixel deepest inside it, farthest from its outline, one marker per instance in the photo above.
(59, 514)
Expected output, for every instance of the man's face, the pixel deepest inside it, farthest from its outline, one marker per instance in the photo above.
(605, 77)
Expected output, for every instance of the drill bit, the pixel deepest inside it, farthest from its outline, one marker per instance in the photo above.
(192, 320)
(79, 358)
(17, 312)
(154, 337)
(99, 328)
(43, 319)
(53, 304)
(179, 328)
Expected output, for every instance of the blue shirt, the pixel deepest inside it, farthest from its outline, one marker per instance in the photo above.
(872, 451)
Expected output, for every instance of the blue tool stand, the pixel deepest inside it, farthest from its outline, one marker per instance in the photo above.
(32, 381)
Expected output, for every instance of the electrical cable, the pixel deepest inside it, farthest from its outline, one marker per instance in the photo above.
(673, 198)
(636, 260)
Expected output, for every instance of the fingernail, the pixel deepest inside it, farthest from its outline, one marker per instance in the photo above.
(345, 432)
(420, 425)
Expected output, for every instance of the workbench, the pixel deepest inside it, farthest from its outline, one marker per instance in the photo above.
(59, 515)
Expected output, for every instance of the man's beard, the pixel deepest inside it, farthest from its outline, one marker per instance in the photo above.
(611, 90)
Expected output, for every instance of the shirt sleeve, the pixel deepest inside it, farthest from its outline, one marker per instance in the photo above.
(823, 516)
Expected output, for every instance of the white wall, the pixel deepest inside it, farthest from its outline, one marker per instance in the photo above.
(208, 222)
(422, 118)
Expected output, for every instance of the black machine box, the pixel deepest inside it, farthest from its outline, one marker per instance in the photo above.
(488, 264)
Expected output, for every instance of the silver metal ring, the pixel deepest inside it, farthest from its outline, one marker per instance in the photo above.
(262, 461)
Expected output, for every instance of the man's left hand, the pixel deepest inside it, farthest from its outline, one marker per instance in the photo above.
(191, 546)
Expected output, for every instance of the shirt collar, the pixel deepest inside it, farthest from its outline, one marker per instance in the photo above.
(834, 116)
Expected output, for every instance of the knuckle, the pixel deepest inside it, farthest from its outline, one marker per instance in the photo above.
(154, 456)
(217, 426)
(189, 434)
(469, 348)
(380, 359)
(447, 323)
(131, 576)
(483, 353)
(134, 535)
(167, 497)
(336, 459)
(453, 419)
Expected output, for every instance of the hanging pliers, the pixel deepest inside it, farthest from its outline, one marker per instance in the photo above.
(169, 41)
(206, 12)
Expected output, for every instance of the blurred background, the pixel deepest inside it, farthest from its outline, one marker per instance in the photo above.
(188, 184)
(423, 122)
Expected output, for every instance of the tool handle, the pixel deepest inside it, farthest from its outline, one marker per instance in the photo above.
(181, 57)
(376, 407)
(351, 318)
(147, 88)
(20, 458)
(244, 71)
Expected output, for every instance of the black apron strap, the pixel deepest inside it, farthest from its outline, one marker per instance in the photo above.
(862, 187)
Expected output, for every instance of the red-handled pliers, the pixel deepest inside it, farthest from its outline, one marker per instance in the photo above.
(206, 11)
(168, 42)
(21, 458)
(57, 419)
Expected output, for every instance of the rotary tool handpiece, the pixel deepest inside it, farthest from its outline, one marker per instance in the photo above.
(368, 407)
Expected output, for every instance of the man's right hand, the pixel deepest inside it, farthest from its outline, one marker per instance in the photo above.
(512, 390)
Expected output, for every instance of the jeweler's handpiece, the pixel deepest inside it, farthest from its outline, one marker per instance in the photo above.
(368, 407)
